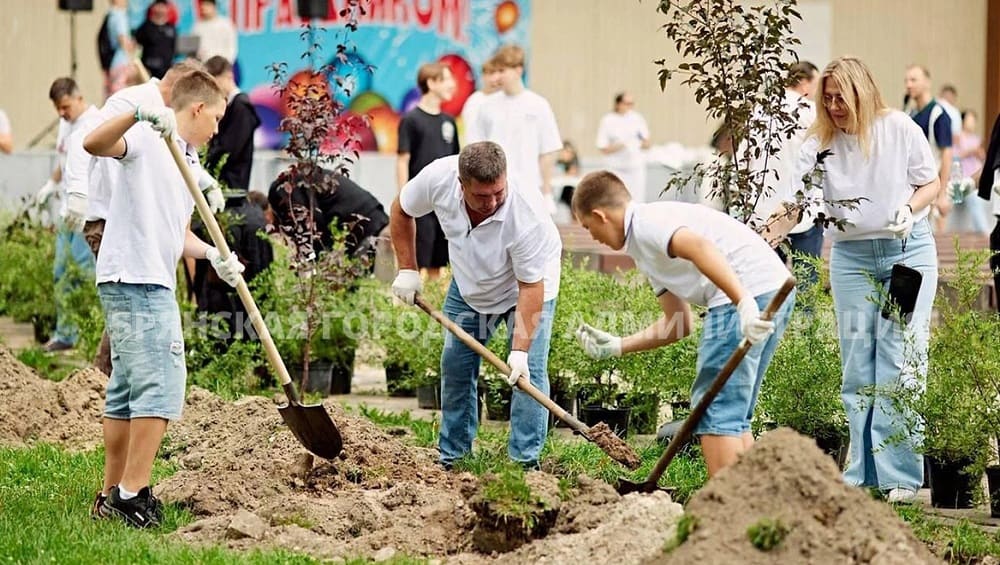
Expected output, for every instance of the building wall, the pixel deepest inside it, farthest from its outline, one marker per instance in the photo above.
(583, 51)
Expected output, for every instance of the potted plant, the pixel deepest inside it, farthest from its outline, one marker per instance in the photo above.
(802, 387)
(425, 347)
(394, 331)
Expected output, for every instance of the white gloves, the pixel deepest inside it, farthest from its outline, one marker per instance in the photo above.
(902, 222)
(753, 327)
(207, 184)
(518, 362)
(44, 193)
(229, 270)
(76, 212)
(598, 344)
(406, 285)
(162, 119)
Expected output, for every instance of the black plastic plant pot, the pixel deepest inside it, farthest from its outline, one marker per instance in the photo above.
(993, 484)
(395, 375)
(429, 397)
(340, 379)
(950, 486)
(318, 378)
(615, 418)
(566, 402)
(835, 446)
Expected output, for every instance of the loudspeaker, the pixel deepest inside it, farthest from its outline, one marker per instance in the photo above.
(76, 5)
(310, 9)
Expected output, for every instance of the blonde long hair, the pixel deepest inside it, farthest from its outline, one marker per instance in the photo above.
(861, 97)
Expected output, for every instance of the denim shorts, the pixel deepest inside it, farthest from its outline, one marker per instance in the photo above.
(147, 352)
(731, 412)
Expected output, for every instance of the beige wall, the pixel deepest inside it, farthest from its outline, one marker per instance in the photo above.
(583, 52)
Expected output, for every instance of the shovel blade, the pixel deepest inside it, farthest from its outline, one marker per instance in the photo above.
(625, 487)
(314, 429)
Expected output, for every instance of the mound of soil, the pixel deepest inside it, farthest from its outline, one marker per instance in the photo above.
(786, 477)
(39, 410)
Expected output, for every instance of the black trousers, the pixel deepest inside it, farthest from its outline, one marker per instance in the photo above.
(995, 260)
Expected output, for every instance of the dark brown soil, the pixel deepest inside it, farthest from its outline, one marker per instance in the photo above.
(786, 477)
(610, 443)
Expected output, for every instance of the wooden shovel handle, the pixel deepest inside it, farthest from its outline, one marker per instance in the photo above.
(241, 288)
(485, 353)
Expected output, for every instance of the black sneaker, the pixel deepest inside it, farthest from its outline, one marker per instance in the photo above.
(139, 512)
(99, 510)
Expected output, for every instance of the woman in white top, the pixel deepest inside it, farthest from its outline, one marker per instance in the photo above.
(881, 156)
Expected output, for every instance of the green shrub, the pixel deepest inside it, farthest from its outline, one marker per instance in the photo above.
(26, 284)
(766, 534)
(511, 498)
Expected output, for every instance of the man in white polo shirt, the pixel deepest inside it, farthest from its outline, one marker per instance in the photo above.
(505, 252)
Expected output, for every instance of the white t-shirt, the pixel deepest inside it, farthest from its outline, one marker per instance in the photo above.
(900, 160)
(953, 114)
(649, 228)
(519, 242)
(470, 110)
(524, 126)
(76, 163)
(216, 36)
(150, 211)
(781, 168)
(4, 123)
(629, 129)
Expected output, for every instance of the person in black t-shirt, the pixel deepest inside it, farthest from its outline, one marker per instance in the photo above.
(235, 137)
(425, 135)
(158, 38)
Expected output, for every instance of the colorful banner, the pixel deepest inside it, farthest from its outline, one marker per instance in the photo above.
(394, 36)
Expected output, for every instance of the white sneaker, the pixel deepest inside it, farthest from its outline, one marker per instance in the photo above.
(901, 496)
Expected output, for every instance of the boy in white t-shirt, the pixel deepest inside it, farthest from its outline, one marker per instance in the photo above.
(147, 232)
(522, 123)
(693, 254)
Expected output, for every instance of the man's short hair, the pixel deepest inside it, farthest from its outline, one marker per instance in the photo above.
(198, 86)
(800, 71)
(509, 57)
(427, 73)
(483, 161)
(217, 65)
(63, 86)
(949, 89)
(599, 189)
(923, 69)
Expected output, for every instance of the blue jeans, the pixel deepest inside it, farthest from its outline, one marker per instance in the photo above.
(731, 412)
(969, 216)
(71, 247)
(460, 374)
(879, 356)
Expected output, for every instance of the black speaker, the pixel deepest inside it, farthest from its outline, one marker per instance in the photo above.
(76, 5)
(310, 9)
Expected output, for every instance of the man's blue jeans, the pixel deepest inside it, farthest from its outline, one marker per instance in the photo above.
(879, 356)
(460, 374)
(71, 247)
(809, 243)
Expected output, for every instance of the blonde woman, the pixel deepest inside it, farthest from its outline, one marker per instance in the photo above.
(881, 156)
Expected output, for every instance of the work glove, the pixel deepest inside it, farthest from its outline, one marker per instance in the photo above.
(754, 329)
(76, 212)
(162, 119)
(902, 222)
(598, 344)
(229, 270)
(518, 363)
(207, 184)
(406, 285)
(46, 192)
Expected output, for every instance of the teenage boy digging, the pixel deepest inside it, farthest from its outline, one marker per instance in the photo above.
(693, 254)
(147, 232)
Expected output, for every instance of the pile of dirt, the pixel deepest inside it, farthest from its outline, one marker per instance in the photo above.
(35, 409)
(786, 478)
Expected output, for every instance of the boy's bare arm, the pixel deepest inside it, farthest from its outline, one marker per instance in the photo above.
(674, 326)
(194, 247)
(402, 170)
(107, 139)
(706, 256)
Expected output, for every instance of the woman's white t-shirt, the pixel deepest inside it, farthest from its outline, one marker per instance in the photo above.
(899, 160)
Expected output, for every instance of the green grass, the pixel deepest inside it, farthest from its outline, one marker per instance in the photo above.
(45, 497)
(51, 366)
(960, 543)
(424, 432)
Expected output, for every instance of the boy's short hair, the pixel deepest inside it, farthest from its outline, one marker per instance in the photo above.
(61, 87)
(427, 73)
(490, 65)
(198, 86)
(800, 71)
(509, 57)
(600, 189)
(217, 65)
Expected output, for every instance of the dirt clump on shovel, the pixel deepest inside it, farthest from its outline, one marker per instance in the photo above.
(786, 479)
(605, 438)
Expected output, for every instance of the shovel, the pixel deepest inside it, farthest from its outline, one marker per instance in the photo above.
(311, 424)
(600, 435)
(682, 435)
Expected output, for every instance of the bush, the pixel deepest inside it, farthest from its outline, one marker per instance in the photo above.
(26, 285)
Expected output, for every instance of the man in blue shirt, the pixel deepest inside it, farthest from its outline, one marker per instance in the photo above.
(936, 125)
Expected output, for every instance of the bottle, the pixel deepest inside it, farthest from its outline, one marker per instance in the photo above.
(955, 181)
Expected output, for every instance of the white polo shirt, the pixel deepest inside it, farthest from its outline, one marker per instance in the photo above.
(81, 173)
(649, 228)
(517, 243)
(629, 129)
(524, 126)
(900, 160)
(150, 211)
